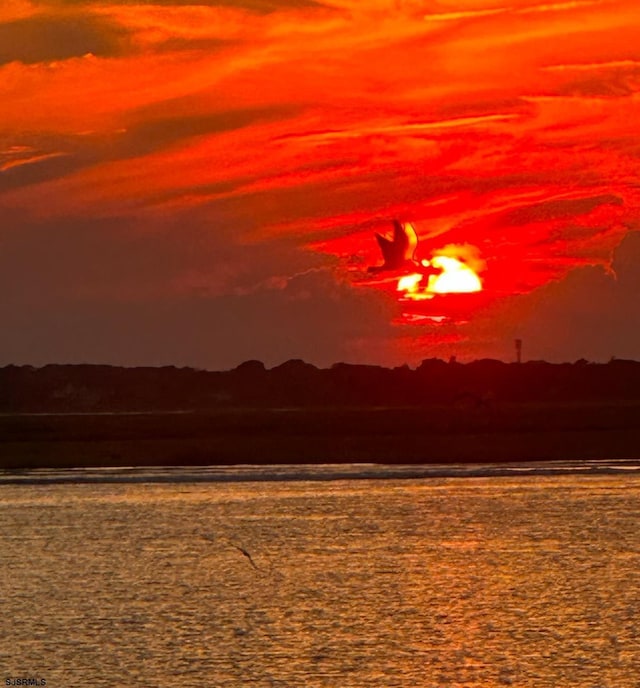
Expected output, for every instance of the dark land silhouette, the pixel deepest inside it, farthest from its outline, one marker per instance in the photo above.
(487, 410)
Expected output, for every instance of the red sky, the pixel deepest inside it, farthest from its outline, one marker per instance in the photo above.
(200, 184)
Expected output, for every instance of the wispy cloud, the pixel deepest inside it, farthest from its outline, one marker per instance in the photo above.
(563, 6)
(407, 128)
(593, 66)
(300, 128)
(465, 14)
(513, 10)
(10, 160)
(47, 38)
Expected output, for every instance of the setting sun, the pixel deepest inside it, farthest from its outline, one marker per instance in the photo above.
(454, 277)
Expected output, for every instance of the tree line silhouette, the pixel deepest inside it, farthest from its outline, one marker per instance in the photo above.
(482, 383)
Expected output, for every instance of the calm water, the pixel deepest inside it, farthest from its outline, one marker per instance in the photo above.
(524, 580)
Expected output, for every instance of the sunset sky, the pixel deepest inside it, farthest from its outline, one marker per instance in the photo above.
(200, 183)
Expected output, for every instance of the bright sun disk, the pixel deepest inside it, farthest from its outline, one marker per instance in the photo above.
(456, 278)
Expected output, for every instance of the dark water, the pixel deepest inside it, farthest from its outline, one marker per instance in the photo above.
(233, 578)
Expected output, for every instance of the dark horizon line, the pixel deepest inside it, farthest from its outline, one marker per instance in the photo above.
(256, 363)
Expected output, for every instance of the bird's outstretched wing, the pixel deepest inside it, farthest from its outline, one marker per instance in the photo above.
(399, 250)
(240, 549)
(410, 238)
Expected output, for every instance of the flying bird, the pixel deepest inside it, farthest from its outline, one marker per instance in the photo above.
(240, 549)
(398, 252)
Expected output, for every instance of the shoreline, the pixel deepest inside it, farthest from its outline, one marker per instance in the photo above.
(316, 473)
(332, 435)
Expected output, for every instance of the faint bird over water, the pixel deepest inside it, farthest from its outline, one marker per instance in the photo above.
(240, 549)
(398, 252)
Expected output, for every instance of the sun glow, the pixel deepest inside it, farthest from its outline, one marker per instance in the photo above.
(456, 277)
(453, 277)
(409, 282)
(410, 286)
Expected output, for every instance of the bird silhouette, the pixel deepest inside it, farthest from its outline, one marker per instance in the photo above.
(240, 549)
(398, 252)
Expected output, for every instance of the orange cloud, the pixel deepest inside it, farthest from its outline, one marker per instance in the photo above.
(508, 126)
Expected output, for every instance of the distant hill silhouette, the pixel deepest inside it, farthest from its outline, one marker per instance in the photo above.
(100, 388)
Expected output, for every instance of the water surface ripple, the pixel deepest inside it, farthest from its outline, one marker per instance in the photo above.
(525, 581)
